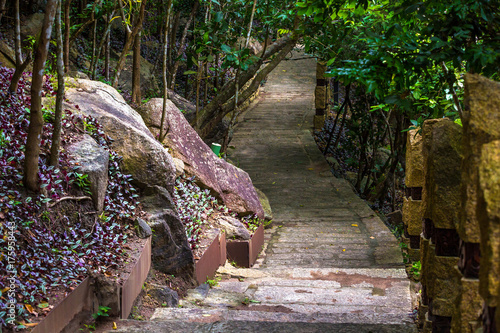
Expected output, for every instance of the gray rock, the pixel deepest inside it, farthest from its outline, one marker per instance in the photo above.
(166, 296)
(143, 229)
(171, 253)
(32, 25)
(234, 228)
(333, 163)
(77, 75)
(203, 289)
(395, 218)
(179, 167)
(143, 157)
(93, 161)
(107, 291)
(155, 199)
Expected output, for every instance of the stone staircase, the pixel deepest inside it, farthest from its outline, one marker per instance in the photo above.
(329, 263)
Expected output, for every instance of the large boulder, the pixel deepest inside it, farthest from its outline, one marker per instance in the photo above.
(228, 183)
(143, 157)
(171, 252)
(93, 161)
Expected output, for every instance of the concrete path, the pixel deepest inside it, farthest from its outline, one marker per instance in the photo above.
(330, 264)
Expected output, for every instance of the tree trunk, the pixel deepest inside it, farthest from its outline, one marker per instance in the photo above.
(20, 65)
(182, 45)
(2, 8)
(67, 7)
(163, 133)
(130, 39)
(136, 70)
(250, 24)
(213, 112)
(56, 134)
(93, 62)
(102, 43)
(107, 52)
(36, 120)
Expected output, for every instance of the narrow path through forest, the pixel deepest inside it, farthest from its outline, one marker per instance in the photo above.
(330, 264)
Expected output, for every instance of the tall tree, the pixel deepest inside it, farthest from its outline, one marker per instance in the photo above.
(56, 134)
(136, 70)
(20, 64)
(67, 7)
(32, 153)
(164, 72)
(131, 33)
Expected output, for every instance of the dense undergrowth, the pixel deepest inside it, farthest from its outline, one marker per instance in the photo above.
(195, 206)
(47, 244)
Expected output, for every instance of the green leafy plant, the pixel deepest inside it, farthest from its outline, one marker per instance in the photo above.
(214, 282)
(415, 269)
(101, 312)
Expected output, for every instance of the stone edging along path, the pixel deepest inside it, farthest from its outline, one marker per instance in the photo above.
(329, 263)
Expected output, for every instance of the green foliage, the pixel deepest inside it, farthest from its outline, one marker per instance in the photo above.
(415, 269)
(213, 282)
(101, 312)
(407, 54)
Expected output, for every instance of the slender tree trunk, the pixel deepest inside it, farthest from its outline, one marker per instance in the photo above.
(182, 45)
(67, 7)
(32, 153)
(198, 84)
(216, 75)
(128, 44)
(20, 64)
(163, 132)
(93, 62)
(2, 8)
(102, 43)
(136, 70)
(107, 51)
(250, 24)
(56, 134)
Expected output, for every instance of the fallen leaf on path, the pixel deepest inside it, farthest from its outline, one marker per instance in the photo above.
(354, 225)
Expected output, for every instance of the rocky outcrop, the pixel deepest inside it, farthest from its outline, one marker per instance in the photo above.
(228, 183)
(143, 156)
(91, 160)
(171, 253)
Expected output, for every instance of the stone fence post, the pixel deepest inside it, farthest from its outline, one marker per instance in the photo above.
(442, 158)
(320, 95)
(412, 202)
(479, 227)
